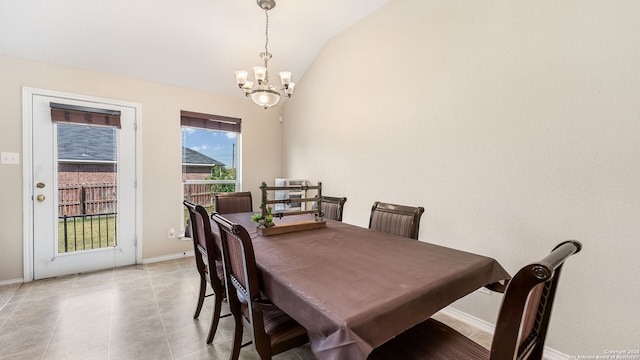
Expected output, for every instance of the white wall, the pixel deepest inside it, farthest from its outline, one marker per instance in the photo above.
(514, 123)
(161, 147)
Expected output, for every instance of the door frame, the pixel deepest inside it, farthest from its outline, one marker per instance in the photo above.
(27, 170)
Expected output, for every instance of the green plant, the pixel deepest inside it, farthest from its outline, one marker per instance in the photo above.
(264, 221)
(222, 173)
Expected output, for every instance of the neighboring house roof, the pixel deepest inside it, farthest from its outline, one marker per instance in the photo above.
(86, 143)
(192, 157)
(80, 143)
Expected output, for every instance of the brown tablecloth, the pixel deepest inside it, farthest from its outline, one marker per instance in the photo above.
(353, 288)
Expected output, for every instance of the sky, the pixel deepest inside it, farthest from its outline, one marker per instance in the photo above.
(215, 144)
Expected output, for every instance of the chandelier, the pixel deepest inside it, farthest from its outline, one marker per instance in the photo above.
(261, 92)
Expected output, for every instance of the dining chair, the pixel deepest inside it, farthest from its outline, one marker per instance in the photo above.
(332, 207)
(233, 202)
(521, 327)
(208, 262)
(272, 330)
(396, 219)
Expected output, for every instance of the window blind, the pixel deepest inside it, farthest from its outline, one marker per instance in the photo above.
(211, 122)
(84, 115)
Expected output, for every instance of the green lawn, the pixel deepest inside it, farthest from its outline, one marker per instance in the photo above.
(86, 236)
(91, 233)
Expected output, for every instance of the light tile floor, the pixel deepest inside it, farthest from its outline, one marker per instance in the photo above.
(134, 312)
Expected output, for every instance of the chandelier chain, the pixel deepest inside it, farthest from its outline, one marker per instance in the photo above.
(266, 32)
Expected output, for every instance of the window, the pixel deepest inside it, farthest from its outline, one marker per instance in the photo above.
(87, 172)
(209, 156)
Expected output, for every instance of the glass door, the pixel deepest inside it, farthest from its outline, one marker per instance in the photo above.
(84, 187)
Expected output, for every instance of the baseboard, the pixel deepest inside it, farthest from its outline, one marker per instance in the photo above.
(553, 354)
(144, 261)
(549, 353)
(11, 281)
(167, 257)
(468, 319)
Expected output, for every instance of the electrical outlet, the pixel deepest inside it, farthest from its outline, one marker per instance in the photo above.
(171, 233)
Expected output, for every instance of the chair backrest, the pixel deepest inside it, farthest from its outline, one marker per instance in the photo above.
(205, 237)
(396, 219)
(233, 202)
(332, 207)
(523, 320)
(241, 272)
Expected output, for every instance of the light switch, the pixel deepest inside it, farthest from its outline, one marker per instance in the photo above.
(8, 158)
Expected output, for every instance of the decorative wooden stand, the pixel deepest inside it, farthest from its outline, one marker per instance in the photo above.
(293, 226)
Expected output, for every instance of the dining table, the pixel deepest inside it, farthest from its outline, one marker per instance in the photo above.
(354, 288)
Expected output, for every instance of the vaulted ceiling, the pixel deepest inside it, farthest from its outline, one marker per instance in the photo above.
(191, 43)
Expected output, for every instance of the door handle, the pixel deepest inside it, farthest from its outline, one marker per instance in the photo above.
(40, 198)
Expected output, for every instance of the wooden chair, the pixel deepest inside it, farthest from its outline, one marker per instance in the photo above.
(208, 262)
(332, 207)
(233, 202)
(521, 327)
(396, 219)
(272, 330)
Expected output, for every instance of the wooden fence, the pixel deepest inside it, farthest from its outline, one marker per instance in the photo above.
(199, 194)
(91, 199)
(87, 199)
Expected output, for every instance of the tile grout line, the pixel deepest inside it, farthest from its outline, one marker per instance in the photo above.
(155, 298)
(183, 274)
(14, 309)
(110, 320)
(66, 302)
(10, 297)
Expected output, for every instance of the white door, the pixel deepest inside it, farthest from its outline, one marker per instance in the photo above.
(84, 190)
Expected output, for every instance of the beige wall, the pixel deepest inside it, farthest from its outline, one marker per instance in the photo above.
(161, 147)
(516, 124)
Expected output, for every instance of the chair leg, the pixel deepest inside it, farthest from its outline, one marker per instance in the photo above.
(264, 350)
(215, 319)
(203, 289)
(237, 339)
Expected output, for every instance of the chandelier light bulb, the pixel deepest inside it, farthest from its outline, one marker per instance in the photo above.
(260, 73)
(285, 78)
(289, 89)
(247, 87)
(241, 77)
